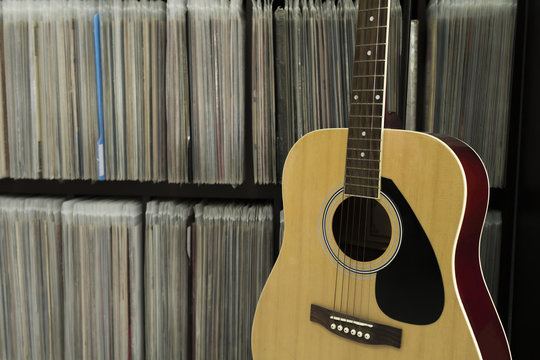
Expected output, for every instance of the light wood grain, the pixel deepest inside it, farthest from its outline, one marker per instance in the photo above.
(431, 179)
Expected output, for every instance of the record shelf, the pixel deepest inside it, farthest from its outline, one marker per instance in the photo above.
(502, 199)
(146, 191)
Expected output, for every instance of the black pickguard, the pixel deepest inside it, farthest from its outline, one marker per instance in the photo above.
(410, 288)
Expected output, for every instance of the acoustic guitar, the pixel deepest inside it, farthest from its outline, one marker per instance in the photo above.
(380, 257)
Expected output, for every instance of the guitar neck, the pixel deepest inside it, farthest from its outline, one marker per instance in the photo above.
(367, 103)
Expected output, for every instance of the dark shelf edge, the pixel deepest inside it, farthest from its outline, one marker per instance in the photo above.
(138, 189)
(497, 198)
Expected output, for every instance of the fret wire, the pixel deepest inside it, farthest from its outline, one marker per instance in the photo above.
(363, 173)
(355, 168)
(365, 127)
(362, 103)
(367, 76)
(358, 149)
(363, 159)
(362, 177)
(372, 90)
(363, 139)
(371, 27)
(366, 116)
(368, 129)
(374, 44)
(374, 152)
(365, 61)
(373, 9)
(375, 138)
(365, 196)
(367, 186)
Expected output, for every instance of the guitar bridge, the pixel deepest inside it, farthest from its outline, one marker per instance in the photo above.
(356, 329)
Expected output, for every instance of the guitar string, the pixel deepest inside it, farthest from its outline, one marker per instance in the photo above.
(339, 242)
(366, 208)
(343, 234)
(382, 98)
(354, 218)
(358, 276)
(351, 246)
(347, 224)
(361, 218)
(365, 216)
(365, 201)
(357, 258)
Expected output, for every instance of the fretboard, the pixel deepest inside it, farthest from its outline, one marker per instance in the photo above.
(366, 111)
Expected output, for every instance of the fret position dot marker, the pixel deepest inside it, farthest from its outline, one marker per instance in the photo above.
(378, 97)
(362, 154)
(355, 97)
(363, 133)
(369, 53)
(371, 18)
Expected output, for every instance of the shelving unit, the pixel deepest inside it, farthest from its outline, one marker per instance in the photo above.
(517, 201)
(524, 291)
(148, 190)
(504, 200)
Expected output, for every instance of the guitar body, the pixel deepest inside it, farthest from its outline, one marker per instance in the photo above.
(436, 194)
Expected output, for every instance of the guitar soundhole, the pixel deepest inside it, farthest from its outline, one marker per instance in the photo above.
(362, 228)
